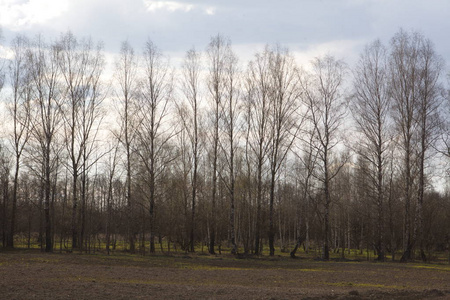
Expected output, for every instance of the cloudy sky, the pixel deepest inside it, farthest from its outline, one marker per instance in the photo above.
(308, 27)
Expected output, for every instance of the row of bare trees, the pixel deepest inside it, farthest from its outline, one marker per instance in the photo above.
(399, 103)
(220, 155)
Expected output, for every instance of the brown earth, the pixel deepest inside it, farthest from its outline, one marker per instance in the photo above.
(36, 275)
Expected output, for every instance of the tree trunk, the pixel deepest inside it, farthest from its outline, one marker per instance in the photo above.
(271, 212)
(74, 211)
(258, 209)
(14, 204)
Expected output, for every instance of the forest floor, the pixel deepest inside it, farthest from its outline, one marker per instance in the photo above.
(37, 275)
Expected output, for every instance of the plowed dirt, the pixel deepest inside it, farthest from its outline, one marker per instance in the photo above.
(36, 275)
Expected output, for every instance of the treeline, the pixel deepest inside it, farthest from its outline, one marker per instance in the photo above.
(223, 154)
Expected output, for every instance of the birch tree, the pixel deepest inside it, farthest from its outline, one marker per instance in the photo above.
(258, 91)
(190, 116)
(2, 75)
(19, 79)
(231, 126)
(323, 96)
(429, 122)
(81, 64)
(307, 156)
(371, 108)
(216, 56)
(126, 76)
(285, 120)
(46, 120)
(404, 73)
(154, 133)
(415, 70)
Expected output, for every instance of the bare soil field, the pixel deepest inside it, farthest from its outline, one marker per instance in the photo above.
(36, 275)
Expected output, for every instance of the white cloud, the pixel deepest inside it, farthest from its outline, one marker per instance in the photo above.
(171, 6)
(210, 11)
(340, 49)
(5, 52)
(18, 15)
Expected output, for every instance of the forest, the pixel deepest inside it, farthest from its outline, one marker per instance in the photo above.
(142, 155)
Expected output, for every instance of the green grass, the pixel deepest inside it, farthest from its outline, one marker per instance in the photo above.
(442, 268)
(123, 247)
(369, 285)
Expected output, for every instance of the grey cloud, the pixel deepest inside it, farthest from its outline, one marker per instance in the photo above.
(300, 22)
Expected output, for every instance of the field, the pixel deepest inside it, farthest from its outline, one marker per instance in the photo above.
(35, 275)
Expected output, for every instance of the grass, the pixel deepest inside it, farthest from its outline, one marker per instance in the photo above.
(314, 253)
(365, 285)
(442, 268)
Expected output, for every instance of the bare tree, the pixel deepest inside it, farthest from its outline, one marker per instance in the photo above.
(20, 113)
(154, 133)
(218, 52)
(444, 146)
(229, 145)
(322, 94)
(126, 75)
(248, 182)
(190, 118)
(429, 106)
(112, 165)
(404, 72)
(415, 70)
(371, 105)
(2, 75)
(81, 65)
(46, 119)
(285, 121)
(187, 177)
(258, 93)
(5, 168)
(307, 155)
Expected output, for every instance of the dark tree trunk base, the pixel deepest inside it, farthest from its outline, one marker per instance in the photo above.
(299, 243)
(406, 257)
